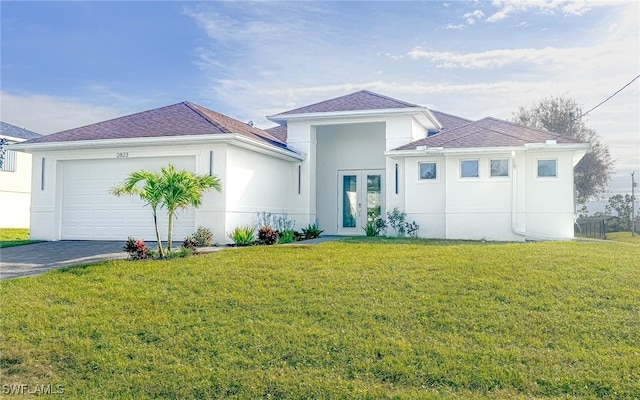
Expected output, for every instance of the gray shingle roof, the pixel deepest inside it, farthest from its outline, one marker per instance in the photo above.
(17, 132)
(180, 119)
(488, 132)
(449, 121)
(362, 100)
(279, 131)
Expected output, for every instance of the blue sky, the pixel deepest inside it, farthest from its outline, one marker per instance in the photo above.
(67, 64)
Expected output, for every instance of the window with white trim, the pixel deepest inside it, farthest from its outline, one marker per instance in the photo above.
(469, 169)
(547, 168)
(499, 167)
(428, 170)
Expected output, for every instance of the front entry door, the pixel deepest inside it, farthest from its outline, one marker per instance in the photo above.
(360, 200)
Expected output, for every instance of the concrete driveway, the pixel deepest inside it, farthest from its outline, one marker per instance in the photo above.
(33, 259)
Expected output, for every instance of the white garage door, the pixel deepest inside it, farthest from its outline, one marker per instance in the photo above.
(91, 212)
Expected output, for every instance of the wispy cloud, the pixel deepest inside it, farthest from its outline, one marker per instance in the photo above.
(507, 8)
(472, 17)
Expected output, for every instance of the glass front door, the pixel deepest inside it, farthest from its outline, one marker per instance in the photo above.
(360, 200)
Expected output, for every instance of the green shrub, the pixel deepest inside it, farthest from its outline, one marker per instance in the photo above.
(203, 237)
(182, 253)
(375, 227)
(412, 228)
(311, 231)
(396, 220)
(287, 236)
(243, 235)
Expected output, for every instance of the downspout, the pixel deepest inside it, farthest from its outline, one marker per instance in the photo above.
(514, 200)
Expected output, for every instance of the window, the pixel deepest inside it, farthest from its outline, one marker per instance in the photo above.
(8, 161)
(469, 169)
(547, 168)
(428, 170)
(499, 167)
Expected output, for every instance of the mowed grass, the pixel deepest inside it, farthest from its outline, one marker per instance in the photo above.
(336, 320)
(14, 237)
(624, 237)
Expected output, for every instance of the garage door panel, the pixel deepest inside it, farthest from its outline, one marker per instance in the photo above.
(91, 212)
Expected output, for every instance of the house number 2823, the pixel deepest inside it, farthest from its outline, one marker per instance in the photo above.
(122, 155)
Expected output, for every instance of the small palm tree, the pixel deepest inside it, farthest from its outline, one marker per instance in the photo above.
(171, 189)
(148, 186)
(181, 189)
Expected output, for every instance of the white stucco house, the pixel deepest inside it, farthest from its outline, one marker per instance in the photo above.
(15, 177)
(337, 162)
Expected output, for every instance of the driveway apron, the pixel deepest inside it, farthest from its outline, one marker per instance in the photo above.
(33, 259)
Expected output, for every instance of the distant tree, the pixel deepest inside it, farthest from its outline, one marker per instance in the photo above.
(561, 115)
(622, 206)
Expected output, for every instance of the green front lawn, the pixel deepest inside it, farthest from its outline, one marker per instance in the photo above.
(624, 237)
(14, 237)
(336, 320)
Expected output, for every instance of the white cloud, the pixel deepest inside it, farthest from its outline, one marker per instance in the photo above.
(565, 7)
(471, 17)
(49, 114)
(610, 56)
(457, 27)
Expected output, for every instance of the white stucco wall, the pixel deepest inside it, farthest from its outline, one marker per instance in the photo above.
(344, 147)
(483, 208)
(257, 182)
(301, 137)
(47, 197)
(549, 201)
(15, 192)
(478, 208)
(425, 199)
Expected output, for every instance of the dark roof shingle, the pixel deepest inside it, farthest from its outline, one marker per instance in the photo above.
(488, 132)
(17, 132)
(180, 119)
(362, 100)
(279, 132)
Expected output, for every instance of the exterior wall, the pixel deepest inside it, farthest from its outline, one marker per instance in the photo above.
(301, 137)
(257, 182)
(399, 131)
(46, 202)
(478, 208)
(344, 147)
(426, 199)
(549, 201)
(483, 208)
(15, 193)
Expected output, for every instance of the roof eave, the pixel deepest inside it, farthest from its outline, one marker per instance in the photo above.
(234, 138)
(430, 151)
(284, 118)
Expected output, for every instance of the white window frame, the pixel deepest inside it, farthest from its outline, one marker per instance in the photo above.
(477, 161)
(434, 179)
(499, 176)
(555, 160)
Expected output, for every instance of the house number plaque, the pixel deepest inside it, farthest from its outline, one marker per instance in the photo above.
(123, 154)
